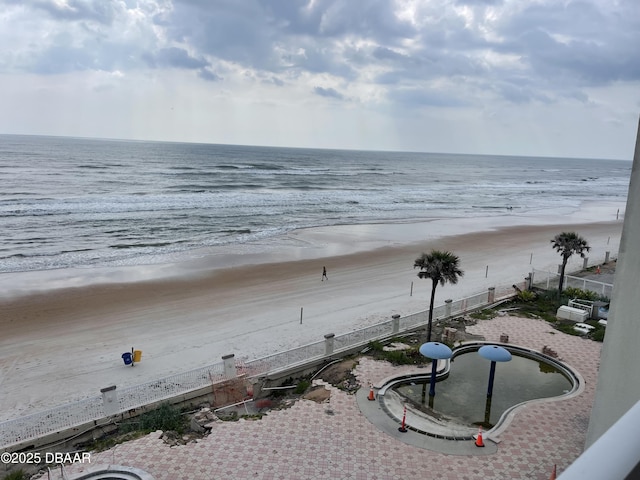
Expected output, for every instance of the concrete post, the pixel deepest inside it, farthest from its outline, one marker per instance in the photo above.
(447, 308)
(395, 322)
(329, 339)
(606, 257)
(491, 297)
(229, 365)
(585, 262)
(110, 400)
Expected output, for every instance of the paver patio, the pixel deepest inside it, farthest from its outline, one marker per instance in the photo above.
(333, 440)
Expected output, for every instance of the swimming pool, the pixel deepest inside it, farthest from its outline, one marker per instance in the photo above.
(461, 403)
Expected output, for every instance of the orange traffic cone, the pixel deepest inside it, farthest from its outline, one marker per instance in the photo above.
(371, 395)
(553, 474)
(479, 442)
(598, 270)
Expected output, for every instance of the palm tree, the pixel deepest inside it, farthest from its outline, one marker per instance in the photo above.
(441, 267)
(568, 243)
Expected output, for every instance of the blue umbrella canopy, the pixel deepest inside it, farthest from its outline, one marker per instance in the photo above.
(435, 350)
(494, 353)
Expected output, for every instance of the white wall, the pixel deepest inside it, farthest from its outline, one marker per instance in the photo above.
(618, 387)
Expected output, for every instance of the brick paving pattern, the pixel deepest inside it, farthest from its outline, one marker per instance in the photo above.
(333, 440)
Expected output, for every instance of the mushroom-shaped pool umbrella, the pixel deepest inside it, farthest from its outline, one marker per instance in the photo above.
(495, 354)
(435, 351)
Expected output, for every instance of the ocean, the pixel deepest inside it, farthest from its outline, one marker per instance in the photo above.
(72, 202)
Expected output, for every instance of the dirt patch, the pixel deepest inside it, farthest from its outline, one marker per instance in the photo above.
(318, 394)
(340, 375)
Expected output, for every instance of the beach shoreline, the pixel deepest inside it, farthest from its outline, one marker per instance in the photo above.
(305, 244)
(63, 343)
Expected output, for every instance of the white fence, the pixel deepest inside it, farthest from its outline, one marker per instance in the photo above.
(71, 415)
(550, 281)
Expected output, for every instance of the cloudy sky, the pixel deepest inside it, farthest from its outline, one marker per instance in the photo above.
(523, 77)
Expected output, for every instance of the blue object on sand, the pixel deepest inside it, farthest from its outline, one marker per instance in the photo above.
(127, 358)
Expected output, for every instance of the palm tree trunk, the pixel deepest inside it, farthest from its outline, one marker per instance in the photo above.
(433, 298)
(561, 282)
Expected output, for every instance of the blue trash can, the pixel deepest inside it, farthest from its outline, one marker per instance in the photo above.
(127, 358)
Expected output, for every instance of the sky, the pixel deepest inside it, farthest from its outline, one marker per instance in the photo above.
(503, 77)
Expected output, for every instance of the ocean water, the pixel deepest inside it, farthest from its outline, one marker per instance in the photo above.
(68, 202)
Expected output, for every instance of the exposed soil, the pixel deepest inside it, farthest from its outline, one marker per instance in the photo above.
(340, 375)
(317, 394)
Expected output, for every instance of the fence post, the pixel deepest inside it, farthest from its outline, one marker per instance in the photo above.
(110, 400)
(395, 323)
(529, 281)
(329, 343)
(447, 308)
(491, 295)
(229, 365)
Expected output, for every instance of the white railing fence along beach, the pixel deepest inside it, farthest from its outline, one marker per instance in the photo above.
(550, 280)
(99, 409)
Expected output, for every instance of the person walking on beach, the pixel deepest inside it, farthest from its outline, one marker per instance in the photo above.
(324, 274)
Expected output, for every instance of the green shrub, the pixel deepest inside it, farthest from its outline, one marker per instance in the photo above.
(17, 475)
(544, 305)
(598, 334)
(398, 357)
(572, 292)
(484, 314)
(566, 328)
(302, 386)
(166, 417)
(526, 296)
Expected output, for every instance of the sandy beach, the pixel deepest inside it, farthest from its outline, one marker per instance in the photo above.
(63, 331)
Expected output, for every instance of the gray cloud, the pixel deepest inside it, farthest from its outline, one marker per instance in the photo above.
(479, 2)
(208, 75)
(577, 42)
(423, 97)
(273, 35)
(328, 93)
(228, 30)
(64, 54)
(175, 57)
(97, 10)
(520, 53)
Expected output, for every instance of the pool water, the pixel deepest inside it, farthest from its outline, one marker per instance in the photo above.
(462, 396)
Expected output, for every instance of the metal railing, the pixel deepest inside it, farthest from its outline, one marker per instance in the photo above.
(363, 336)
(288, 358)
(550, 280)
(169, 387)
(43, 423)
(92, 409)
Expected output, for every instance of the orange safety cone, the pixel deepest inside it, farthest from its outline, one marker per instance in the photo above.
(371, 395)
(553, 474)
(598, 270)
(479, 442)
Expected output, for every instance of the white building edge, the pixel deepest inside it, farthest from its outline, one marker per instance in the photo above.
(613, 439)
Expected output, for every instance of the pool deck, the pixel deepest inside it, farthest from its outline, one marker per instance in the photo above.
(335, 440)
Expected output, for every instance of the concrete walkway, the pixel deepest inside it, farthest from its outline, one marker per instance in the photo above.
(335, 440)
